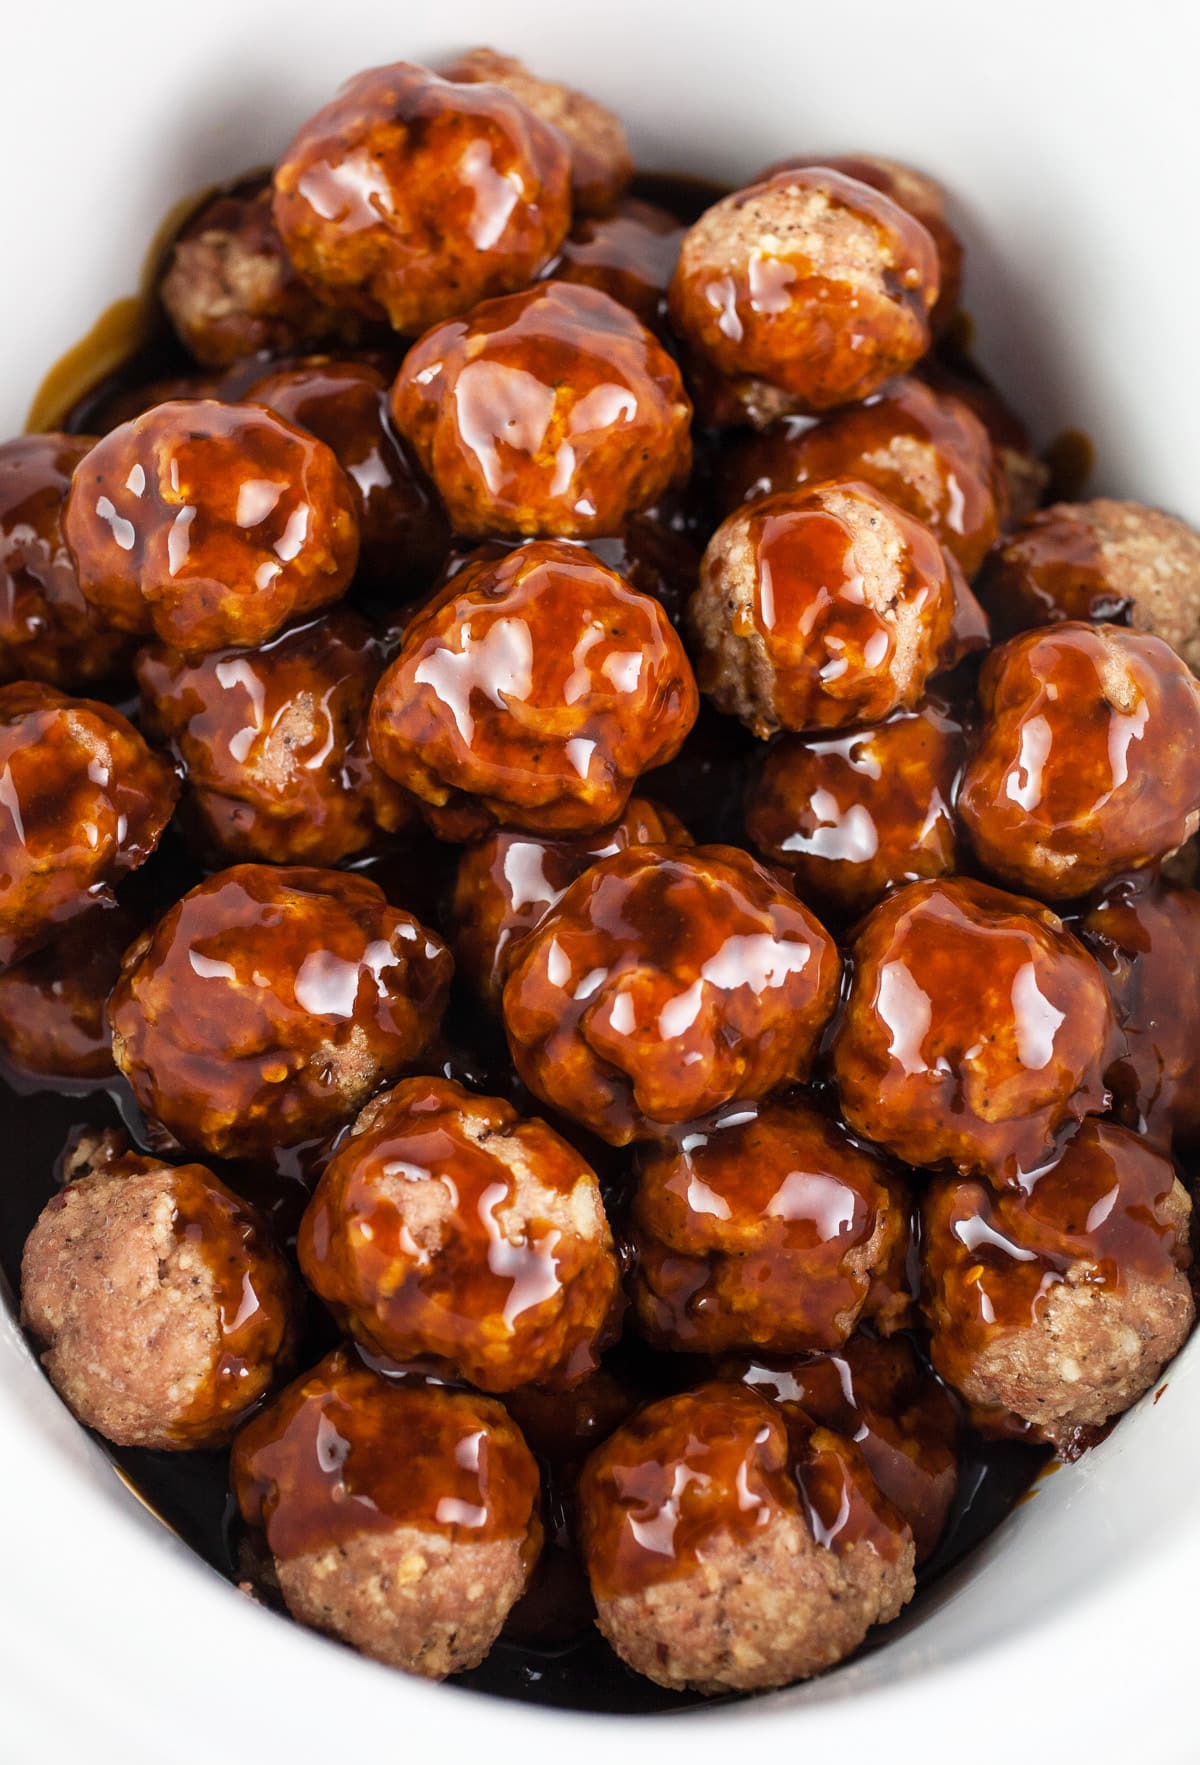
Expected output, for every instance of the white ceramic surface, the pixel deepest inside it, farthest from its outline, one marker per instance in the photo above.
(1066, 136)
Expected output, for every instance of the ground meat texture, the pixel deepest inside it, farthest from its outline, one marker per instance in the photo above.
(413, 1556)
(811, 281)
(162, 1310)
(207, 524)
(822, 607)
(267, 1005)
(729, 1552)
(760, 1229)
(630, 254)
(1061, 1304)
(1109, 561)
(48, 631)
(851, 815)
(551, 412)
(976, 1029)
(83, 801)
(1086, 760)
(53, 1005)
(532, 692)
(274, 741)
(411, 198)
(601, 164)
(665, 983)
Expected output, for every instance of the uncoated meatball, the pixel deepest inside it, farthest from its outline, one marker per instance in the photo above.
(47, 630)
(532, 691)
(552, 412)
(822, 607)
(83, 801)
(448, 1226)
(402, 1517)
(976, 1028)
(852, 814)
(729, 1552)
(630, 254)
(162, 1309)
(665, 983)
(53, 1005)
(1086, 763)
(209, 524)
(811, 281)
(760, 1229)
(412, 198)
(1062, 1303)
(267, 1005)
(274, 741)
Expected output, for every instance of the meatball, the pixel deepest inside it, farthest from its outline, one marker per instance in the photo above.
(976, 1029)
(760, 1229)
(162, 1310)
(267, 1005)
(53, 1005)
(83, 801)
(403, 538)
(926, 451)
(665, 983)
(411, 198)
(601, 165)
(811, 281)
(852, 814)
(822, 607)
(1024, 475)
(730, 1552)
(1061, 1304)
(1086, 761)
(1103, 561)
(47, 630)
(551, 412)
(630, 254)
(532, 691)
(403, 1518)
(274, 741)
(207, 524)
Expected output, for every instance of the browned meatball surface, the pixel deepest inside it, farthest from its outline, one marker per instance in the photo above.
(267, 1005)
(976, 1029)
(413, 198)
(630, 254)
(665, 983)
(1088, 759)
(207, 524)
(54, 1004)
(552, 412)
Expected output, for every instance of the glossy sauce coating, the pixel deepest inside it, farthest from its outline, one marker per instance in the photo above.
(53, 1005)
(664, 983)
(209, 524)
(629, 254)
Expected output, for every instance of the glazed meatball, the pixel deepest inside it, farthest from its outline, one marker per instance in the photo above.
(53, 1005)
(83, 801)
(403, 1518)
(976, 1029)
(760, 1229)
(162, 1310)
(822, 607)
(411, 198)
(551, 412)
(1024, 475)
(1104, 561)
(208, 524)
(532, 691)
(1062, 1303)
(729, 1552)
(274, 741)
(630, 254)
(665, 983)
(267, 1005)
(47, 630)
(811, 281)
(403, 538)
(447, 1226)
(926, 451)
(1086, 761)
(852, 814)
(601, 165)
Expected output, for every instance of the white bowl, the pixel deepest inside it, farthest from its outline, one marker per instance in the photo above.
(1065, 134)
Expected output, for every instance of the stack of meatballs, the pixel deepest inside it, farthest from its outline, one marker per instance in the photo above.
(787, 1074)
